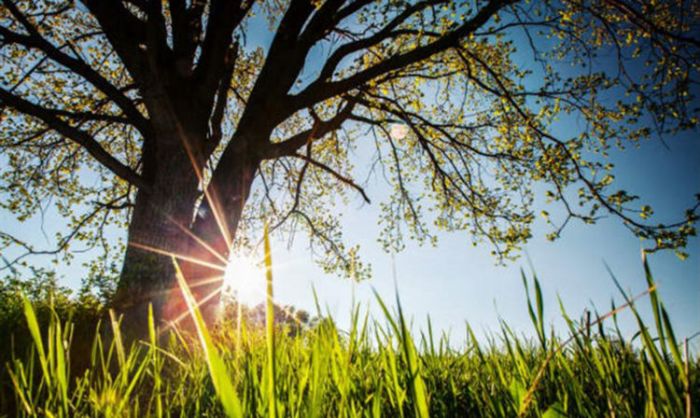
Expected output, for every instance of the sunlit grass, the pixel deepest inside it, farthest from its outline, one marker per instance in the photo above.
(223, 385)
(376, 368)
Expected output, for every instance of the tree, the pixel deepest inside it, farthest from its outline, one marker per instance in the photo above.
(170, 119)
(287, 317)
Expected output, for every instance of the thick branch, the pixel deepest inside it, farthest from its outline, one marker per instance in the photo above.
(321, 90)
(34, 40)
(385, 33)
(76, 135)
(321, 21)
(319, 130)
(218, 51)
(125, 32)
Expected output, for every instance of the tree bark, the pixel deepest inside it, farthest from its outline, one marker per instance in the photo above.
(216, 236)
(165, 220)
(155, 230)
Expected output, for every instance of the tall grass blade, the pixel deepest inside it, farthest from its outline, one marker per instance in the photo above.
(270, 327)
(33, 325)
(223, 385)
(655, 303)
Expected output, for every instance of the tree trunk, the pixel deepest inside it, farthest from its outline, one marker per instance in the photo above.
(147, 274)
(216, 225)
(157, 228)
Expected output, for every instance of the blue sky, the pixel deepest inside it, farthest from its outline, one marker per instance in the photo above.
(455, 282)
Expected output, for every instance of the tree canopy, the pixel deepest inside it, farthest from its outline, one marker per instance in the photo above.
(112, 107)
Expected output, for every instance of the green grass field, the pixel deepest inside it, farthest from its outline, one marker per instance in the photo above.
(377, 368)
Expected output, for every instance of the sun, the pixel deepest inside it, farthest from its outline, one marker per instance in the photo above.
(245, 278)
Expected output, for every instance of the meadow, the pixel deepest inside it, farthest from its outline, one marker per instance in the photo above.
(60, 364)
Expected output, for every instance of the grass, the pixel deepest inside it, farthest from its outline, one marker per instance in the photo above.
(377, 368)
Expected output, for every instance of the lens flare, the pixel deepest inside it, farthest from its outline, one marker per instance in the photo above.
(244, 277)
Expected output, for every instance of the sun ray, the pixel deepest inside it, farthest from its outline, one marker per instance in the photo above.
(213, 200)
(188, 309)
(178, 256)
(198, 283)
(205, 281)
(173, 323)
(260, 293)
(200, 241)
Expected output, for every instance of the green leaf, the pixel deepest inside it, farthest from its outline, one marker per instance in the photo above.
(517, 392)
(33, 325)
(270, 327)
(223, 385)
(556, 410)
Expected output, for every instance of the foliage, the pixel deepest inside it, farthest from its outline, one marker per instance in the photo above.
(287, 317)
(51, 304)
(464, 106)
(370, 370)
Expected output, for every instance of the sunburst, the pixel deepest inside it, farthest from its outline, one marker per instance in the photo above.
(239, 274)
(212, 200)
(244, 278)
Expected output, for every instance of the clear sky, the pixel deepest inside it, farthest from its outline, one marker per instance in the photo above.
(455, 282)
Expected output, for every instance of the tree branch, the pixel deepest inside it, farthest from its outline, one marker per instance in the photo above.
(125, 32)
(218, 51)
(76, 135)
(343, 179)
(34, 40)
(319, 130)
(321, 90)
